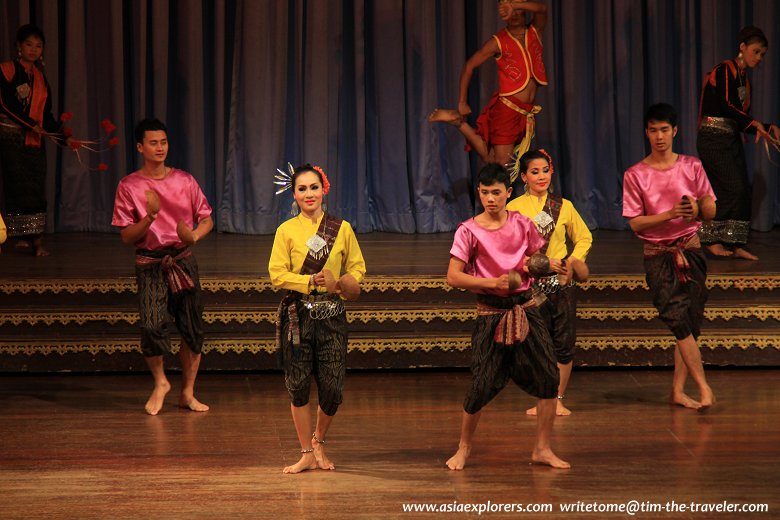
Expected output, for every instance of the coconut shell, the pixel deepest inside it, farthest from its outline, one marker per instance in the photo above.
(514, 280)
(538, 265)
(349, 287)
(690, 200)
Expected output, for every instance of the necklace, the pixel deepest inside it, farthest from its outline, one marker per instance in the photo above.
(741, 89)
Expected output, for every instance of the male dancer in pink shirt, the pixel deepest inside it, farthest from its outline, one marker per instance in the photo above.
(510, 339)
(665, 197)
(157, 208)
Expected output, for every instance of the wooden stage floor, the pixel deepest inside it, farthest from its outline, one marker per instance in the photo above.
(76, 446)
(102, 255)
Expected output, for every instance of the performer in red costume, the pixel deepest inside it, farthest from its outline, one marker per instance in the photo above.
(508, 119)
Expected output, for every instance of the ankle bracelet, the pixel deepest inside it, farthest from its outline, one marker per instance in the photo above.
(314, 436)
(560, 396)
(307, 450)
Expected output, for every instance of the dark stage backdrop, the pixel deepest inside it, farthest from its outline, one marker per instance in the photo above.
(247, 85)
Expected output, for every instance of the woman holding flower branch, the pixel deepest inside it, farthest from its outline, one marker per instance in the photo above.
(25, 118)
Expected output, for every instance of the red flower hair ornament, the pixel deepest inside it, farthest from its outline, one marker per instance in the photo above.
(549, 159)
(325, 181)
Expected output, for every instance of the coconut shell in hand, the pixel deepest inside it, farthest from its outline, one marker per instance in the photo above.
(349, 287)
(692, 203)
(514, 280)
(538, 265)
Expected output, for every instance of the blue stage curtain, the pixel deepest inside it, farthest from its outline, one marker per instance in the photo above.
(247, 85)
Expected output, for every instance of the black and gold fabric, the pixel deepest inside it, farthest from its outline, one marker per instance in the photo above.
(158, 303)
(530, 364)
(679, 299)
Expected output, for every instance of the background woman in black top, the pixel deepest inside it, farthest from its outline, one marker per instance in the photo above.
(724, 114)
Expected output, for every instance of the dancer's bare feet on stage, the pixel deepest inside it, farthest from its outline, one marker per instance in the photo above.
(38, 248)
(740, 252)
(190, 403)
(681, 399)
(707, 398)
(323, 462)
(23, 244)
(719, 251)
(560, 410)
(446, 115)
(458, 461)
(548, 458)
(156, 400)
(306, 462)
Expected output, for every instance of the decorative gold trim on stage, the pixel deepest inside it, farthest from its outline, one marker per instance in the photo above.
(647, 313)
(647, 342)
(601, 283)
(225, 317)
(459, 314)
(405, 283)
(90, 285)
(740, 282)
(66, 318)
(237, 346)
(72, 286)
(376, 283)
(447, 344)
(364, 345)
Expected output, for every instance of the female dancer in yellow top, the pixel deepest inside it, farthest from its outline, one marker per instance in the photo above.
(309, 255)
(555, 218)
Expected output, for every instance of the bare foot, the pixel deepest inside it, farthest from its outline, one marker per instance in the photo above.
(707, 399)
(744, 254)
(560, 410)
(22, 244)
(323, 462)
(548, 458)
(192, 404)
(719, 250)
(38, 249)
(156, 400)
(445, 115)
(458, 461)
(684, 400)
(306, 462)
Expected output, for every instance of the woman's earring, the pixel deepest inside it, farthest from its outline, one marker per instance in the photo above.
(43, 63)
(294, 209)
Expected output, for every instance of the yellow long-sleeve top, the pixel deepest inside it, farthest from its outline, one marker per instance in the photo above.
(3, 230)
(569, 223)
(290, 250)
